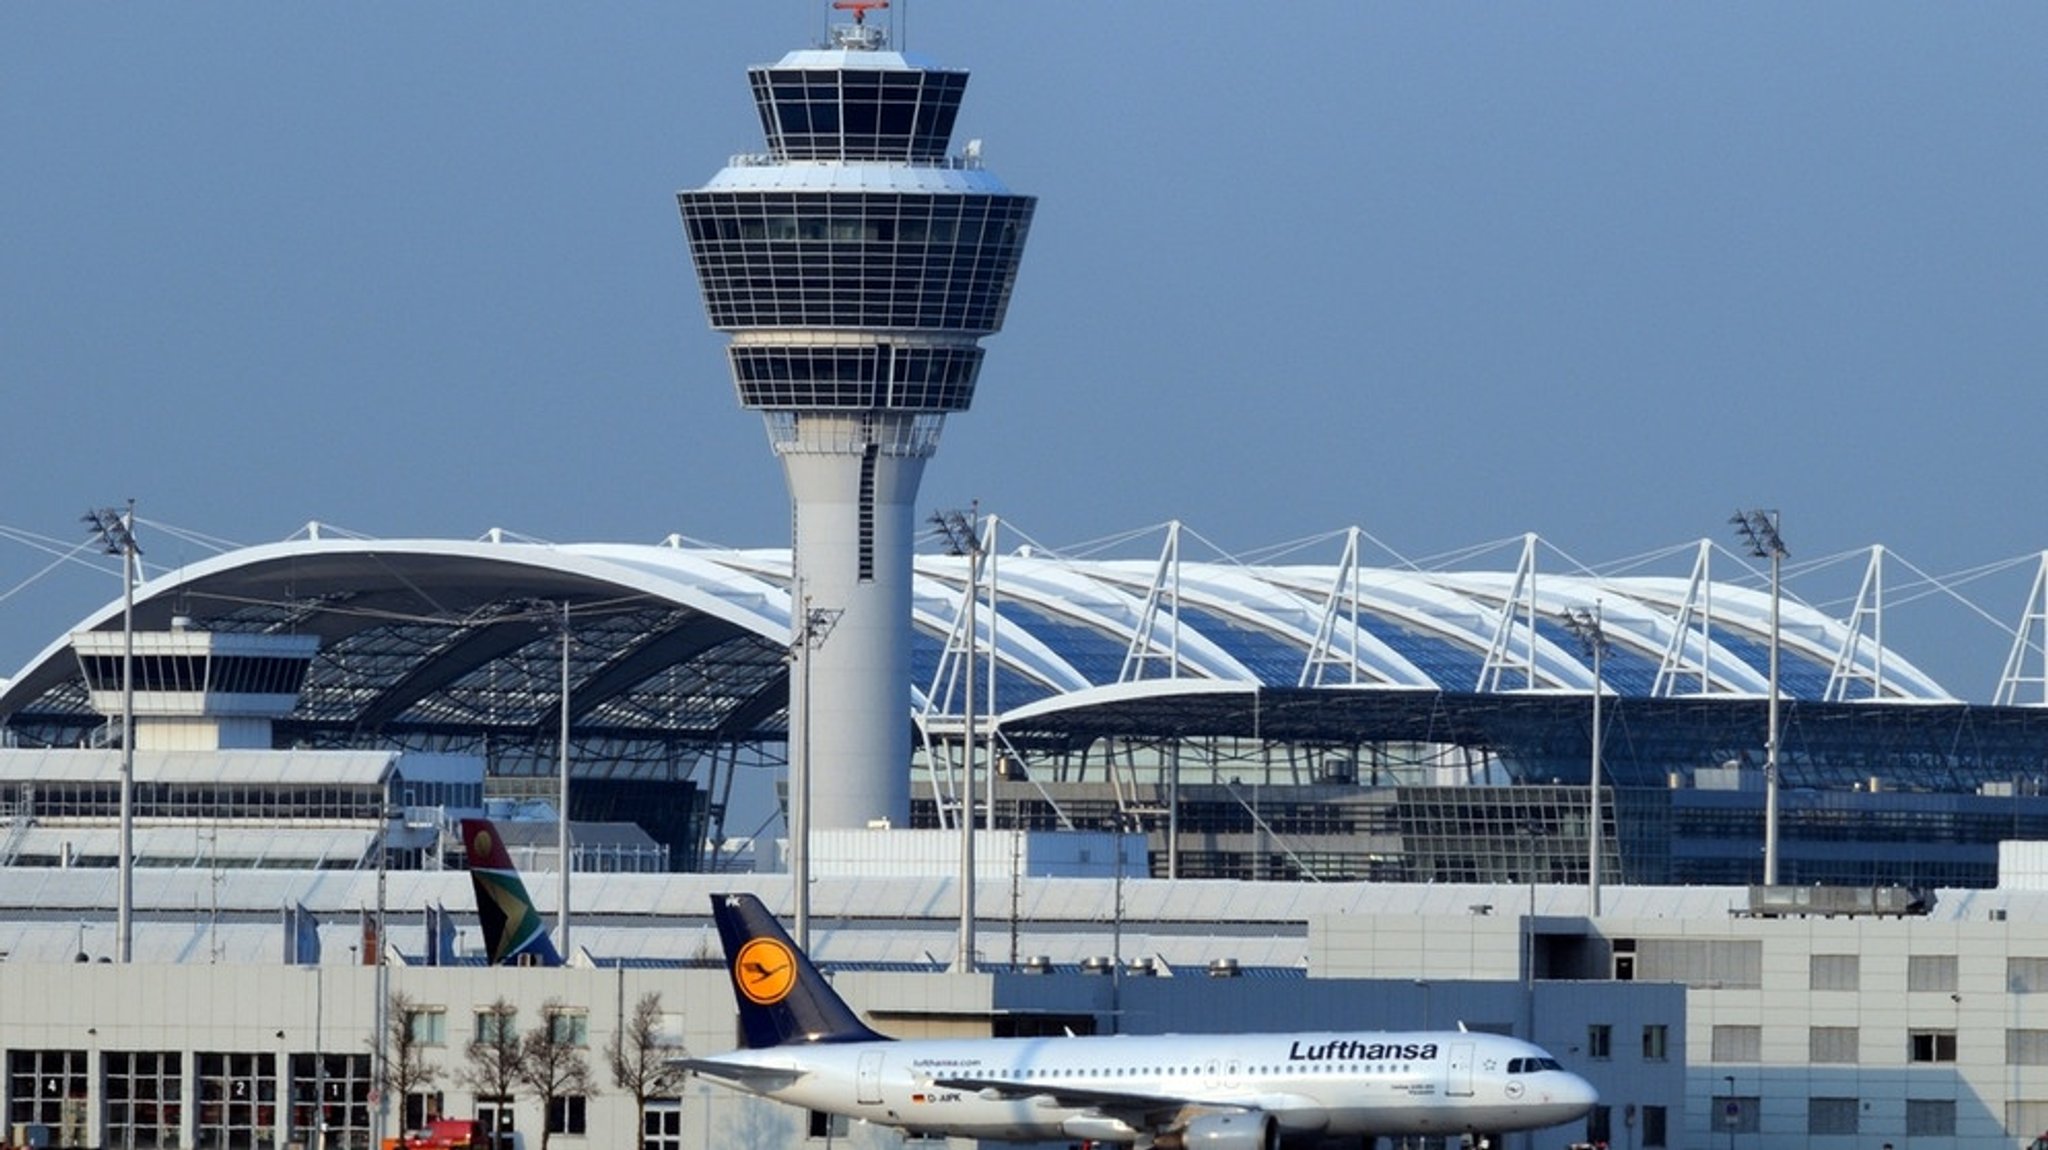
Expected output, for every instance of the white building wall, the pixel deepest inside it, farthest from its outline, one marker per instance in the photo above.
(1979, 1010)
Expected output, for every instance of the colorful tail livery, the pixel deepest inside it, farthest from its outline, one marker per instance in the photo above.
(514, 934)
(782, 997)
(805, 1046)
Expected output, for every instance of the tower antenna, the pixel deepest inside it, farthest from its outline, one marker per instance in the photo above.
(859, 8)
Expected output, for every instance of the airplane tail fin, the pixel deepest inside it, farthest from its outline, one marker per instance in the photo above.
(514, 933)
(782, 997)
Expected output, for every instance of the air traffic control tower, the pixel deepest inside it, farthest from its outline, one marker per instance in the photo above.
(856, 265)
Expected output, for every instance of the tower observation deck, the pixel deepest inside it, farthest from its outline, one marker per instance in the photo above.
(857, 265)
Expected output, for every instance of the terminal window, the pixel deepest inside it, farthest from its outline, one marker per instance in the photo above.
(1931, 1046)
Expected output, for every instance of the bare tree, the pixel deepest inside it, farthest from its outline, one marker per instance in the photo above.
(639, 1058)
(492, 1069)
(406, 1070)
(551, 1062)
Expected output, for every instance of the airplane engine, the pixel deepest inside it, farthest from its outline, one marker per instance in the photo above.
(1231, 1131)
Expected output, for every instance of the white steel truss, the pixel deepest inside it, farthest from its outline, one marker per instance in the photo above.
(1502, 655)
(2029, 646)
(1344, 593)
(1164, 593)
(1679, 663)
(1869, 611)
(956, 660)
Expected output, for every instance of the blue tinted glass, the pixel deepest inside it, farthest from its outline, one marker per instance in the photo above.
(1624, 670)
(1272, 660)
(1798, 676)
(1096, 655)
(1013, 689)
(1451, 666)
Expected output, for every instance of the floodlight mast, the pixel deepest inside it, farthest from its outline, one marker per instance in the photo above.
(1759, 531)
(117, 536)
(809, 628)
(963, 537)
(1586, 627)
(562, 816)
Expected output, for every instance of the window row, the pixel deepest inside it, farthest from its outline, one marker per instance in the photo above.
(1925, 1117)
(1924, 972)
(768, 311)
(53, 800)
(224, 674)
(1842, 1045)
(1656, 1041)
(902, 277)
(237, 1105)
(857, 114)
(857, 396)
(428, 1026)
(908, 217)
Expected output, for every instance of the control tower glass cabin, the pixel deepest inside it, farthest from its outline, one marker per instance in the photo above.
(856, 265)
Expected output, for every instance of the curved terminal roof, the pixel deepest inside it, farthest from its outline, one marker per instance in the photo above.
(430, 642)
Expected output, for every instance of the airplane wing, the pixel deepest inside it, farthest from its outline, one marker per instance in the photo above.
(761, 1079)
(1141, 1111)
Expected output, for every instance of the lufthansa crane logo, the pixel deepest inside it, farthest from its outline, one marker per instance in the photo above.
(765, 971)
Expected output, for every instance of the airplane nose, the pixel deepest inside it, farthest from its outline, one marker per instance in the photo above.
(1578, 1093)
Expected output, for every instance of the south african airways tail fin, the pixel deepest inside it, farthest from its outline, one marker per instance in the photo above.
(514, 934)
(782, 997)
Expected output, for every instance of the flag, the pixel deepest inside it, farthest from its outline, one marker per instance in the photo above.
(301, 936)
(440, 949)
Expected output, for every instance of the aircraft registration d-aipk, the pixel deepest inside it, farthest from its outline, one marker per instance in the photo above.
(805, 1046)
(514, 932)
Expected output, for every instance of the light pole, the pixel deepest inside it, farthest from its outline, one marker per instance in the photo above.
(1729, 1109)
(1759, 529)
(1535, 832)
(963, 537)
(1585, 626)
(562, 820)
(808, 628)
(117, 533)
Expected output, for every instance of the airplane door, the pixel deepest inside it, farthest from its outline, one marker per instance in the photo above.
(1458, 1071)
(868, 1078)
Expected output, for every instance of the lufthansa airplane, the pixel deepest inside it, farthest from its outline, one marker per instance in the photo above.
(806, 1047)
(514, 933)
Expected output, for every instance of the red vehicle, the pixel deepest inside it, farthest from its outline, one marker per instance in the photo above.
(448, 1134)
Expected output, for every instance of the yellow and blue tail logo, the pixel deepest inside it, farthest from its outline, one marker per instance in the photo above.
(514, 934)
(782, 997)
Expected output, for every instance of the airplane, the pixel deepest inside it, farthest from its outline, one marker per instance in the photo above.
(805, 1046)
(514, 933)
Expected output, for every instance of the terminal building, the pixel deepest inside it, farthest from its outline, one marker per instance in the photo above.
(1316, 721)
(429, 684)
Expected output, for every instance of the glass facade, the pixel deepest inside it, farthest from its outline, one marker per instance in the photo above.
(331, 1092)
(219, 674)
(48, 1088)
(237, 1102)
(857, 114)
(863, 376)
(853, 260)
(144, 1098)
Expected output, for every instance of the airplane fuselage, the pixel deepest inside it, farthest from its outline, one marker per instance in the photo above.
(1049, 1088)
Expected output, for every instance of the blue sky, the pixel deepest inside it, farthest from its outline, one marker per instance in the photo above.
(1449, 272)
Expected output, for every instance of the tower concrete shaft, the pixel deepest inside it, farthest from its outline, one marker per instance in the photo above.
(857, 265)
